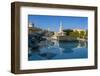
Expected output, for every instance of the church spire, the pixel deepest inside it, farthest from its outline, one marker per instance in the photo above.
(60, 28)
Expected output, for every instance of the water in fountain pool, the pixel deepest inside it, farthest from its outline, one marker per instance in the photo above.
(60, 50)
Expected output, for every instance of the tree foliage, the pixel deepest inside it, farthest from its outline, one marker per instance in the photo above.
(82, 34)
(68, 31)
(74, 34)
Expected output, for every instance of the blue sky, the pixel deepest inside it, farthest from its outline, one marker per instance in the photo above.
(53, 22)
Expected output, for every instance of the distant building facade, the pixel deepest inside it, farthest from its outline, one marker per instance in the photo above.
(79, 30)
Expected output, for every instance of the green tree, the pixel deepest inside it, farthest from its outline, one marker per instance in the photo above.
(68, 31)
(86, 34)
(82, 34)
(75, 34)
